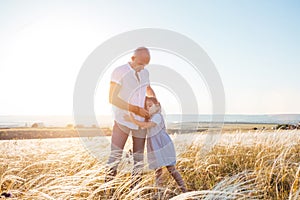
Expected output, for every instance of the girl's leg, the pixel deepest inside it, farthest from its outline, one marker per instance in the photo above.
(158, 177)
(176, 175)
(158, 183)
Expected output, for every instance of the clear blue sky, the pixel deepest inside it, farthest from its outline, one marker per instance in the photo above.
(255, 46)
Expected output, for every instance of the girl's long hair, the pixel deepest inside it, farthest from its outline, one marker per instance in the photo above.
(154, 100)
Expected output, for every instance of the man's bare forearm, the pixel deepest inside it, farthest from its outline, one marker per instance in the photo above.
(120, 103)
(116, 101)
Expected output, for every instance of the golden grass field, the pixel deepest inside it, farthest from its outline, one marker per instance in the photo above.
(241, 165)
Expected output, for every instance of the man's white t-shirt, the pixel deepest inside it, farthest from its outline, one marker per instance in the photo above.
(133, 91)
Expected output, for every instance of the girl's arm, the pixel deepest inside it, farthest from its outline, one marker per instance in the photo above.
(139, 123)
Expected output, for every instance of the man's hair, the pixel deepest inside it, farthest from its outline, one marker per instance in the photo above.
(140, 49)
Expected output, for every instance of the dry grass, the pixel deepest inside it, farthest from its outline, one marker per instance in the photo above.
(260, 165)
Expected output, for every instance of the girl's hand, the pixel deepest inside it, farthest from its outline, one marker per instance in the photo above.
(129, 118)
(132, 117)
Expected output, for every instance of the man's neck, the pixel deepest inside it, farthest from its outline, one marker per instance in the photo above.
(130, 64)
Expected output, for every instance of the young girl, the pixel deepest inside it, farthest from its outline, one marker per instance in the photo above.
(160, 148)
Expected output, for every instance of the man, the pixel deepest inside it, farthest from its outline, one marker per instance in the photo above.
(128, 89)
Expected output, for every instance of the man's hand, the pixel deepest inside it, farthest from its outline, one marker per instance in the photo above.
(139, 111)
(144, 113)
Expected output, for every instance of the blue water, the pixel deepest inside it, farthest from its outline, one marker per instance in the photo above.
(62, 121)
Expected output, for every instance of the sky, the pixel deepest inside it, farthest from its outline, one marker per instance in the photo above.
(254, 45)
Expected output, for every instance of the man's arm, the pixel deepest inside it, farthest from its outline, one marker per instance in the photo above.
(114, 98)
(139, 123)
(117, 101)
(150, 92)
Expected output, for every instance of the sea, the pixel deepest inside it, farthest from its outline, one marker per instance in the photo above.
(107, 120)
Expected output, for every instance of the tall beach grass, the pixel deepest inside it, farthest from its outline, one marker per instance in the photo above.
(257, 165)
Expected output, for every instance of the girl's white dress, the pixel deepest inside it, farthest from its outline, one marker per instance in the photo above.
(160, 148)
